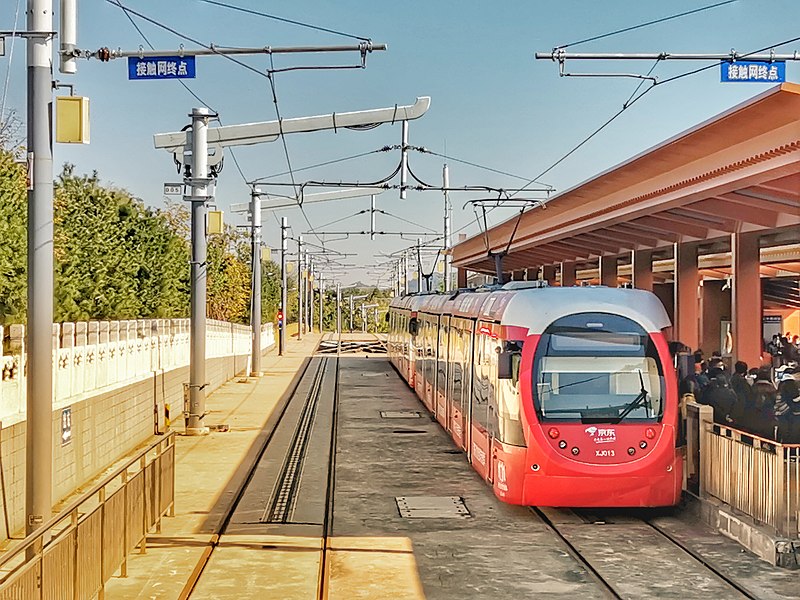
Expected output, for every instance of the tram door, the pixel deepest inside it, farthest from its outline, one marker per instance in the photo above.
(480, 446)
(440, 395)
(458, 357)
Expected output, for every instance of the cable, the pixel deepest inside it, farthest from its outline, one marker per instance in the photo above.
(188, 89)
(447, 157)
(388, 214)
(632, 100)
(322, 164)
(271, 79)
(661, 20)
(10, 62)
(211, 47)
(284, 20)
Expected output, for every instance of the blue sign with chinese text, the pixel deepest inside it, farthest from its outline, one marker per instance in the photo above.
(753, 71)
(161, 67)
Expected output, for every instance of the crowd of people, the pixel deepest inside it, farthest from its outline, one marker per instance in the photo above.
(784, 349)
(763, 401)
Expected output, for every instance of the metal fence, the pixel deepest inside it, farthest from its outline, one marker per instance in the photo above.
(76, 552)
(756, 476)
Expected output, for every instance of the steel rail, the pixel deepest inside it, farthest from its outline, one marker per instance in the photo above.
(576, 554)
(330, 490)
(284, 494)
(706, 563)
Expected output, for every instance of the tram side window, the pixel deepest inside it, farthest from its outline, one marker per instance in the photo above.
(441, 362)
(480, 384)
(456, 357)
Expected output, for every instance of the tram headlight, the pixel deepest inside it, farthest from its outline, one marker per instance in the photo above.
(553, 433)
(562, 444)
(650, 433)
(631, 450)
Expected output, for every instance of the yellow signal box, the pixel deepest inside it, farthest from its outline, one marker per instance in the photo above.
(215, 224)
(266, 254)
(72, 120)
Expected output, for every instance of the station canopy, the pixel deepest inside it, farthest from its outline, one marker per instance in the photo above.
(737, 172)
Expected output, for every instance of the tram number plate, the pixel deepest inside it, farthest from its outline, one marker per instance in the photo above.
(604, 453)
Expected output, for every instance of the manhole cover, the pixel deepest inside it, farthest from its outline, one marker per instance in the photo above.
(400, 414)
(431, 507)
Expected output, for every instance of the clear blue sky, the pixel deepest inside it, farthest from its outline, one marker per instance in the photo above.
(492, 103)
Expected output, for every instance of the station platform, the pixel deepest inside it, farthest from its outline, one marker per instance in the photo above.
(209, 470)
(402, 515)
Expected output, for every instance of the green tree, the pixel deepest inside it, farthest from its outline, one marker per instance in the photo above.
(13, 249)
(114, 258)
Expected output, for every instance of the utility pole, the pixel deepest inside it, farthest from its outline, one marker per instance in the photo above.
(447, 241)
(405, 271)
(352, 300)
(351, 313)
(199, 181)
(321, 302)
(255, 311)
(338, 308)
(39, 381)
(300, 287)
(419, 266)
(284, 308)
(372, 217)
(310, 296)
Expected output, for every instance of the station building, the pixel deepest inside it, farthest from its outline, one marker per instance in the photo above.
(708, 220)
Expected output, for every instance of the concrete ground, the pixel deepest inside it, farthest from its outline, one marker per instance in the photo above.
(209, 471)
(497, 551)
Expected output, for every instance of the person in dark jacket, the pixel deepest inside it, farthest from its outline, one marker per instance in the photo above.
(787, 412)
(743, 389)
(760, 420)
(719, 395)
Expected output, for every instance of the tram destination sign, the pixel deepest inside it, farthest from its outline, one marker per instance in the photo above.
(752, 71)
(161, 67)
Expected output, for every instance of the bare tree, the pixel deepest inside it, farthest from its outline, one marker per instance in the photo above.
(11, 132)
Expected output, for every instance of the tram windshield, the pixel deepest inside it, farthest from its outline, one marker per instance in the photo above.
(597, 368)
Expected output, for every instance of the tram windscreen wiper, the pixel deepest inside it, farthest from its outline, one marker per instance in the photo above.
(638, 402)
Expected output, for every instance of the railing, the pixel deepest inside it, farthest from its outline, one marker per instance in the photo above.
(756, 476)
(95, 355)
(76, 552)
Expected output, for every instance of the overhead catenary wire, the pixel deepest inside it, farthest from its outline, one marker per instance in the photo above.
(10, 62)
(632, 100)
(283, 19)
(647, 24)
(271, 79)
(235, 159)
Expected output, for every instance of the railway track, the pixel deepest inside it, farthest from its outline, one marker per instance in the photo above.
(281, 491)
(639, 542)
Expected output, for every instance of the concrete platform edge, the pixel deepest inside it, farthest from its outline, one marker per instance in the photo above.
(239, 478)
(760, 540)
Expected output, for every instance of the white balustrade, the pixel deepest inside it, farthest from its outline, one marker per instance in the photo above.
(94, 356)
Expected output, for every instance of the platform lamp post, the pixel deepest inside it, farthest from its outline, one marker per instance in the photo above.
(202, 139)
(338, 308)
(364, 313)
(300, 267)
(284, 308)
(352, 300)
(255, 295)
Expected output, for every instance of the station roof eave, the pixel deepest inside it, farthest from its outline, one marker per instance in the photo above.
(739, 171)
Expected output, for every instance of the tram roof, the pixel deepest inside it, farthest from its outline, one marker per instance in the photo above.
(739, 171)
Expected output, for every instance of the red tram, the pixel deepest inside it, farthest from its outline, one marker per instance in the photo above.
(558, 396)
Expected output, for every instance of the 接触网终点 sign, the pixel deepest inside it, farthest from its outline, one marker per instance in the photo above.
(161, 67)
